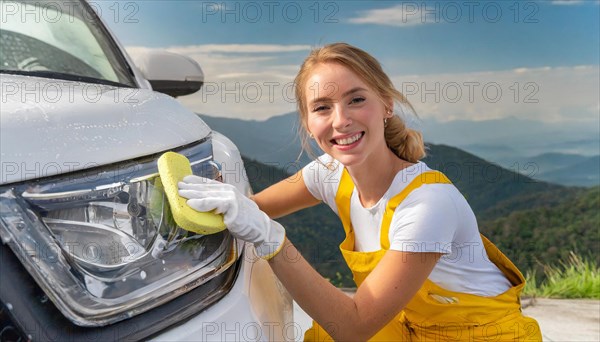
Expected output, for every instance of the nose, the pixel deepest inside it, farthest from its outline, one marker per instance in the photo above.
(341, 118)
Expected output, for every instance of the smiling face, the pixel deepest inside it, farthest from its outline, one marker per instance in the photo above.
(345, 115)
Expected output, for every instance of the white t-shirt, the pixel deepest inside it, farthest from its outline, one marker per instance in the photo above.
(432, 218)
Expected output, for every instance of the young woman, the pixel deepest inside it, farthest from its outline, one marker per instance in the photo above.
(422, 269)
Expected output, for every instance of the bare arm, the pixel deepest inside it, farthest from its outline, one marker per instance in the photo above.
(385, 292)
(285, 197)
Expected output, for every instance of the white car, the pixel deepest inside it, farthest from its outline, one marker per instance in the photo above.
(89, 249)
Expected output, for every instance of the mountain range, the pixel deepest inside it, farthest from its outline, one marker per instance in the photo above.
(513, 137)
(542, 151)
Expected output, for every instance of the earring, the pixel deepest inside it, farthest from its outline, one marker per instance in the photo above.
(311, 135)
(388, 112)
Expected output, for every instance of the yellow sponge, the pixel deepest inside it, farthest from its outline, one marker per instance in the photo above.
(172, 167)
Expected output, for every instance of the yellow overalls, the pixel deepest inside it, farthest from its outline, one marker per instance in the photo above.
(436, 314)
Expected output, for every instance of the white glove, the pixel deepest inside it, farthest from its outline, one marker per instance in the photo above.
(241, 215)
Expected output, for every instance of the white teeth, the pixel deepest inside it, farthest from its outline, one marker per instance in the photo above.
(348, 141)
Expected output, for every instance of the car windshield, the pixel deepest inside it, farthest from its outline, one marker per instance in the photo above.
(63, 40)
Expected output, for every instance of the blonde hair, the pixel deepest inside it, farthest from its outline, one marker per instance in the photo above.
(406, 143)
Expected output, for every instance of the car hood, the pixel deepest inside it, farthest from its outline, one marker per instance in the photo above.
(50, 126)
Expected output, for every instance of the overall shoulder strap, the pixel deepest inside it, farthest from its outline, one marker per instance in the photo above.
(342, 201)
(428, 177)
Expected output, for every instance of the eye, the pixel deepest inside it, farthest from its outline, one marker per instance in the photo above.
(357, 99)
(320, 108)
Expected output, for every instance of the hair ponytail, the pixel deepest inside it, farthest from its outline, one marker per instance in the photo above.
(406, 143)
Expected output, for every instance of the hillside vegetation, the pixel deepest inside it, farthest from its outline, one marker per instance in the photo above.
(492, 191)
(538, 237)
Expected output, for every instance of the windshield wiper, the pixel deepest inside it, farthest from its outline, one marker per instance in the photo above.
(65, 76)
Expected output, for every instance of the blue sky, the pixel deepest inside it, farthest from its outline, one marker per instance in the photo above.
(471, 60)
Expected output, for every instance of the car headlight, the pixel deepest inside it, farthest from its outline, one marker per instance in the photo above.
(103, 245)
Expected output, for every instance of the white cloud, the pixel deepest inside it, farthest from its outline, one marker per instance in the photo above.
(258, 86)
(405, 14)
(240, 48)
(566, 2)
(548, 94)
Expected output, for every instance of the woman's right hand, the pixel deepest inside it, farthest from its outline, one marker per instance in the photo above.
(241, 215)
